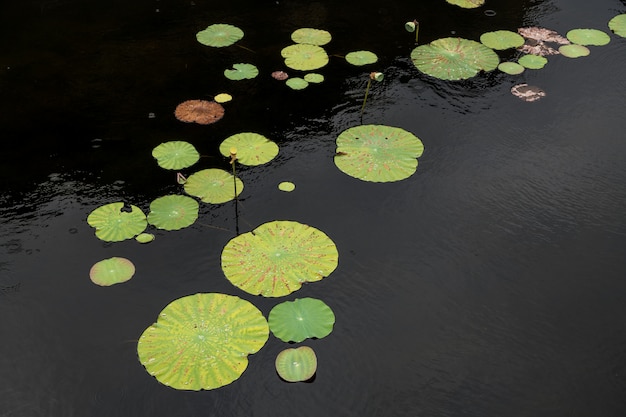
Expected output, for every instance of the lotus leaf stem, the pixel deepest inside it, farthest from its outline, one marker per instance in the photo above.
(233, 158)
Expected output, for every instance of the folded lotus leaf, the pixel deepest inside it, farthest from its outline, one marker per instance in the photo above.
(219, 35)
(113, 223)
(202, 341)
(586, 37)
(175, 154)
(378, 153)
(501, 39)
(111, 271)
(360, 58)
(617, 24)
(296, 365)
(454, 58)
(241, 72)
(467, 4)
(532, 61)
(304, 57)
(303, 318)
(173, 212)
(213, 186)
(276, 258)
(252, 148)
(574, 51)
(511, 68)
(311, 36)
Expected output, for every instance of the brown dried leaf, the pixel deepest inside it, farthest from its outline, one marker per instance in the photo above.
(199, 111)
(542, 35)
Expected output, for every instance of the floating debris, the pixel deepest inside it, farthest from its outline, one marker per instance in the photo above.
(527, 92)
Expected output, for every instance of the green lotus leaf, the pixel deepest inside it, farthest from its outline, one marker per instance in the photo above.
(252, 148)
(501, 39)
(304, 57)
(532, 61)
(175, 155)
(219, 35)
(467, 4)
(286, 186)
(360, 58)
(202, 341)
(618, 25)
(311, 36)
(586, 37)
(241, 72)
(213, 185)
(144, 237)
(378, 153)
(454, 58)
(574, 50)
(511, 68)
(111, 271)
(173, 212)
(297, 83)
(113, 223)
(276, 258)
(303, 318)
(314, 78)
(296, 365)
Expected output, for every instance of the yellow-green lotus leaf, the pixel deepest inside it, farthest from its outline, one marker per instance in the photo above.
(114, 223)
(311, 36)
(296, 365)
(219, 35)
(467, 4)
(304, 57)
(252, 148)
(213, 186)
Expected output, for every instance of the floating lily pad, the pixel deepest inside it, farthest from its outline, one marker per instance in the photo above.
(304, 57)
(527, 92)
(467, 4)
(303, 318)
(297, 83)
(501, 39)
(276, 258)
(223, 98)
(144, 237)
(213, 186)
(202, 341)
(511, 68)
(219, 35)
(199, 111)
(360, 58)
(252, 148)
(311, 36)
(378, 153)
(618, 25)
(454, 58)
(114, 223)
(173, 212)
(287, 186)
(532, 61)
(241, 72)
(573, 50)
(296, 365)
(588, 37)
(175, 154)
(314, 78)
(111, 271)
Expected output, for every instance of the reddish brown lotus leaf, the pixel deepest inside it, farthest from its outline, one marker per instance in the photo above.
(199, 111)
(527, 92)
(534, 47)
(280, 75)
(542, 35)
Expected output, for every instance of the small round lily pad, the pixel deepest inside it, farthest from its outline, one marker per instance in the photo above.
(175, 154)
(573, 50)
(303, 318)
(586, 37)
(617, 24)
(252, 148)
(241, 72)
(223, 98)
(297, 83)
(532, 61)
(311, 36)
(287, 186)
(511, 68)
(296, 365)
(219, 35)
(467, 4)
(313, 77)
(501, 39)
(145, 237)
(213, 186)
(111, 271)
(304, 57)
(360, 58)
(115, 222)
(173, 212)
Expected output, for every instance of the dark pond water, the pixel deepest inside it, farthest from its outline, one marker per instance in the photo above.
(490, 283)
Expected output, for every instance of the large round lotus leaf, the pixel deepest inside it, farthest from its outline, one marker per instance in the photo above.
(360, 58)
(175, 155)
(213, 185)
(574, 50)
(241, 72)
(532, 61)
(303, 318)
(588, 37)
(276, 258)
(511, 68)
(311, 36)
(501, 39)
(378, 153)
(202, 341)
(111, 271)
(467, 4)
(252, 148)
(618, 25)
(173, 212)
(114, 223)
(304, 57)
(219, 35)
(296, 365)
(454, 58)
(297, 83)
